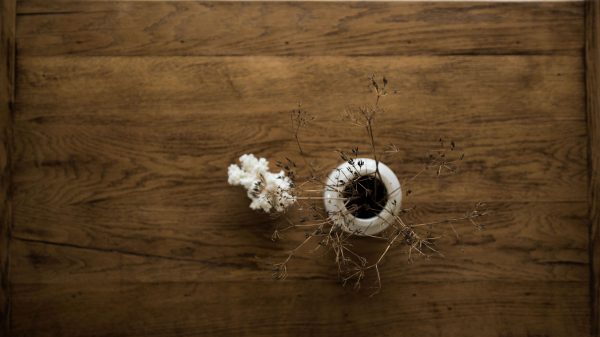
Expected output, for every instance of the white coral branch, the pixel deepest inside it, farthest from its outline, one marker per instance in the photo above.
(268, 191)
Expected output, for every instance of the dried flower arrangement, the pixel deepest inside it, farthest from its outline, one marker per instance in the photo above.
(360, 198)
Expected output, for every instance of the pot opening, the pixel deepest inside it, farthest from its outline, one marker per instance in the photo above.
(365, 196)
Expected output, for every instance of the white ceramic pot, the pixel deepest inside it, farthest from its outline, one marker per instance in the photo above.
(334, 200)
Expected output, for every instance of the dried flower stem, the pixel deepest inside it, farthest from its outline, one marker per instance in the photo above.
(351, 265)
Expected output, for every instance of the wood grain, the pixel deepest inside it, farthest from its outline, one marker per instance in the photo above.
(302, 308)
(188, 118)
(7, 55)
(297, 28)
(128, 113)
(593, 118)
(523, 89)
(104, 240)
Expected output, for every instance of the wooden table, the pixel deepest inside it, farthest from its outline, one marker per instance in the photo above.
(119, 119)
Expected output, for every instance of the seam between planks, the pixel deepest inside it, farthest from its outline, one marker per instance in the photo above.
(592, 56)
(7, 96)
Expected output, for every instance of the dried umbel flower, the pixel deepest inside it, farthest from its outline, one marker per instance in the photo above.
(271, 192)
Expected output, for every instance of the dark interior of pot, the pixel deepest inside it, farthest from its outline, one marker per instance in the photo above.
(365, 196)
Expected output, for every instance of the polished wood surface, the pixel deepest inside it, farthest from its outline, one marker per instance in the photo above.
(127, 114)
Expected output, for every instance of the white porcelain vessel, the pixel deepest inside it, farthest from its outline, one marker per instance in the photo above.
(341, 177)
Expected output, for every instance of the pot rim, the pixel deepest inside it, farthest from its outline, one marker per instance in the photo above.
(337, 181)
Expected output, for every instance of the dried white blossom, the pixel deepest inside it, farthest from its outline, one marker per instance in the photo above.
(268, 191)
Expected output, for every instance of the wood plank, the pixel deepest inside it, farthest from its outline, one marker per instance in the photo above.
(298, 28)
(593, 118)
(7, 55)
(522, 242)
(87, 165)
(485, 88)
(280, 309)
